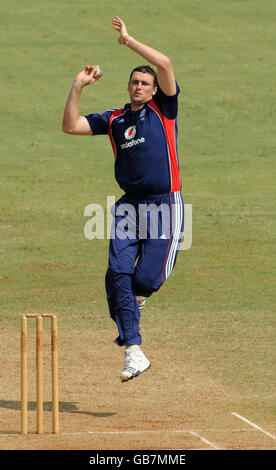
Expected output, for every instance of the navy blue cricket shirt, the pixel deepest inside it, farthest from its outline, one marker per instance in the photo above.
(144, 143)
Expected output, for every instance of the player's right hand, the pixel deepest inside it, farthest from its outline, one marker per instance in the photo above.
(87, 76)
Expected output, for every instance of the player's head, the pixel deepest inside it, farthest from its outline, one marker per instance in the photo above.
(142, 85)
(145, 69)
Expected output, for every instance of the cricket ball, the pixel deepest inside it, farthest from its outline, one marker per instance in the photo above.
(99, 71)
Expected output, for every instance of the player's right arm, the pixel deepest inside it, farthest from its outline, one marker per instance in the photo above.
(73, 123)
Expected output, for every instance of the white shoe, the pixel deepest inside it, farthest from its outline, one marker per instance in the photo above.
(141, 301)
(135, 363)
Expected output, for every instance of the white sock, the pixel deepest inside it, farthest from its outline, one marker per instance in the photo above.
(132, 347)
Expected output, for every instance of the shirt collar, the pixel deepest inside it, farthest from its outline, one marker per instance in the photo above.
(127, 108)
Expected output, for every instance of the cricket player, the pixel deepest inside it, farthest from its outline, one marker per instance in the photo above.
(143, 136)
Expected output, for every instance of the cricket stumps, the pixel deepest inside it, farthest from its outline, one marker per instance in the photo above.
(39, 372)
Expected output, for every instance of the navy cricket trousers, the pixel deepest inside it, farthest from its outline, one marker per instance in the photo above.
(144, 242)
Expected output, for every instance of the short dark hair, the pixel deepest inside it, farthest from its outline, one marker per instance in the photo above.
(146, 69)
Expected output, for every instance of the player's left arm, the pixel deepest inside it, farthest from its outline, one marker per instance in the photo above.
(165, 73)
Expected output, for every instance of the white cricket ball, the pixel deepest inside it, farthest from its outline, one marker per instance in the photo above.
(99, 71)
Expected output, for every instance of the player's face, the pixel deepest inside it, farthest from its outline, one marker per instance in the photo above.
(141, 89)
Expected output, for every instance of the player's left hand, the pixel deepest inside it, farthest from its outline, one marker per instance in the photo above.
(120, 26)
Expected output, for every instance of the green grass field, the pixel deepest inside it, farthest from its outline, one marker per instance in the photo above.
(218, 306)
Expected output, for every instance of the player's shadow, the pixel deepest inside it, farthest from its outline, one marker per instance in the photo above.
(64, 407)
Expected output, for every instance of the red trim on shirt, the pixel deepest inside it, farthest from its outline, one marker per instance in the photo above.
(169, 129)
(115, 114)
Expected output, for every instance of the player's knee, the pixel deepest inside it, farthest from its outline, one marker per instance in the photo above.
(146, 285)
(118, 288)
(114, 279)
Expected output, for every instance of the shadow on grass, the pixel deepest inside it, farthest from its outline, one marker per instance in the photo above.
(64, 407)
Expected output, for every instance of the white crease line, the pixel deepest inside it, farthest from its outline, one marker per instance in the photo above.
(204, 440)
(254, 425)
(158, 431)
(133, 432)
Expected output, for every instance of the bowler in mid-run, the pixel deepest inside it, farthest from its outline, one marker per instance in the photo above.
(143, 135)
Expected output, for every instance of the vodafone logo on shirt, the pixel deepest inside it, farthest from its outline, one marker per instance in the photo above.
(130, 133)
